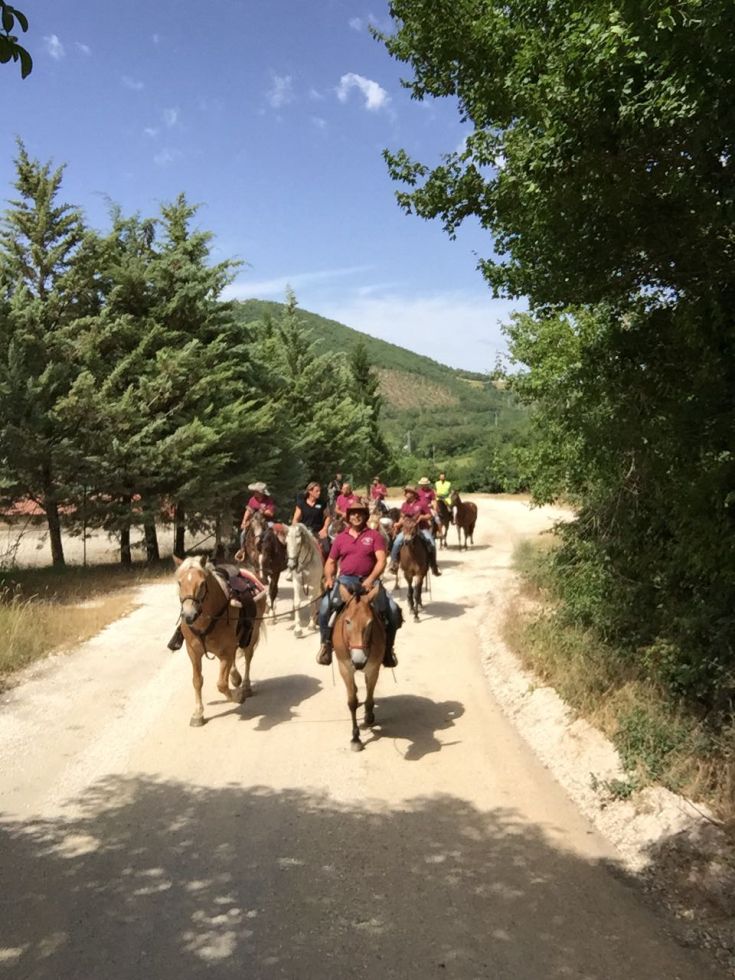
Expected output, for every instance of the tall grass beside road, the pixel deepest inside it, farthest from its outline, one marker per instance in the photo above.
(659, 739)
(45, 610)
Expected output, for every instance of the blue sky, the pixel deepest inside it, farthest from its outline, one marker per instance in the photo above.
(272, 114)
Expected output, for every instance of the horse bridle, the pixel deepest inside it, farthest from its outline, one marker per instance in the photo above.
(198, 602)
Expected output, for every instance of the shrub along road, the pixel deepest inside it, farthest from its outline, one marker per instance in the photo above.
(133, 844)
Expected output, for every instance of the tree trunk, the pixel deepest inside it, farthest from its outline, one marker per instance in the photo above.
(126, 557)
(51, 506)
(179, 531)
(152, 552)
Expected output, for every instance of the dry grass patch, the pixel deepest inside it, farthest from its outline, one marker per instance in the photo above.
(45, 610)
(659, 741)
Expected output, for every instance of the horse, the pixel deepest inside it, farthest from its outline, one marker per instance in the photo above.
(444, 513)
(266, 542)
(414, 561)
(304, 559)
(358, 641)
(465, 517)
(211, 625)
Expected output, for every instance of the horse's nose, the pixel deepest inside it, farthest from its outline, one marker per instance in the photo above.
(358, 657)
(189, 616)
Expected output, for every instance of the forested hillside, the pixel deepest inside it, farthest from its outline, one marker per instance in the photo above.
(433, 416)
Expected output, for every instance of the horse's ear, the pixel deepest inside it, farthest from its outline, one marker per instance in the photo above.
(177, 561)
(372, 594)
(344, 594)
(203, 561)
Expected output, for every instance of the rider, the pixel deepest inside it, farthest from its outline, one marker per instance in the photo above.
(360, 553)
(427, 496)
(444, 491)
(311, 511)
(343, 501)
(413, 507)
(262, 501)
(378, 493)
(334, 488)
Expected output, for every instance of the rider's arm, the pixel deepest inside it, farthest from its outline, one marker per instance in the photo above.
(296, 515)
(325, 525)
(380, 561)
(246, 518)
(330, 569)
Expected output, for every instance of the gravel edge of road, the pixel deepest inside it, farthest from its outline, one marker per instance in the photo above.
(667, 844)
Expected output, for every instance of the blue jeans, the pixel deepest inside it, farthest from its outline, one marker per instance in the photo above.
(384, 605)
(425, 534)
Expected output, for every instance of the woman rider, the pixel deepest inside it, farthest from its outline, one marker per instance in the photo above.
(311, 512)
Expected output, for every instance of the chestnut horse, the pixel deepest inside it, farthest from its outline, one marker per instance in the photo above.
(265, 550)
(211, 625)
(358, 641)
(465, 517)
(414, 561)
(444, 513)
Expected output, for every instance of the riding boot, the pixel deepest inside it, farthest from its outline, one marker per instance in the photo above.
(324, 657)
(177, 640)
(389, 657)
(434, 566)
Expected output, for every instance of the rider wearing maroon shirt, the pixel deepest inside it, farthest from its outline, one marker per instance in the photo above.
(413, 507)
(359, 554)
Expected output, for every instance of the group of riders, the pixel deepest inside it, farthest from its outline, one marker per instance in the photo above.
(354, 553)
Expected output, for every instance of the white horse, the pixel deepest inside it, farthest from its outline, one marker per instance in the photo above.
(304, 560)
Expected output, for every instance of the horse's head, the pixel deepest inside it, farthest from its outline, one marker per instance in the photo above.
(259, 524)
(455, 498)
(410, 527)
(358, 619)
(336, 526)
(294, 543)
(191, 578)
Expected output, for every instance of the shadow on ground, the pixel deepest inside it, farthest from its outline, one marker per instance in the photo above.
(166, 880)
(416, 720)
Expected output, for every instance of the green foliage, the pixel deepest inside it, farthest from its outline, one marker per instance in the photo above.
(10, 49)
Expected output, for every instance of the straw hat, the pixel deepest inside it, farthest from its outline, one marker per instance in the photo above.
(424, 481)
(258, 487)
(411, 489)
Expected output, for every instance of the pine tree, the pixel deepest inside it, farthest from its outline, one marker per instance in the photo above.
(48, 282)
(366, 389)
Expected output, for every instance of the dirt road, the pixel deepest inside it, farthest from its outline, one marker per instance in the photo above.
(261, 846)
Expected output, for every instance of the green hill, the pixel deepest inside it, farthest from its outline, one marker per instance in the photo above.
(448, 417)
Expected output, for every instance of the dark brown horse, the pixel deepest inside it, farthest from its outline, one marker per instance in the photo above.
(414, 560)
(465, 517)
(444, 513)
(265, 552)
(211, 625)
(358, 641)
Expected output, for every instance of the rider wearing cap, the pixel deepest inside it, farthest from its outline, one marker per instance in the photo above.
(359, 554)
(260, 500)
(413, 507)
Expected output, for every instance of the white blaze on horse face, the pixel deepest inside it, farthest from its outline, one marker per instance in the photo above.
(358, 657)
(192, 583)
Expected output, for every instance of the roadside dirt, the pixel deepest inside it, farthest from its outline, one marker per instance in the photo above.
(131, 844)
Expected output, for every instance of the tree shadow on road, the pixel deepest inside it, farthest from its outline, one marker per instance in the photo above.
(165, 880)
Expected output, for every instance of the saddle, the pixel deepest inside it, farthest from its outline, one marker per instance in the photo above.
(241, 588)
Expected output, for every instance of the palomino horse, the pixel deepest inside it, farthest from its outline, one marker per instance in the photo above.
(465, 517)
(414, 561)
(265, 551)
(444, 513)
(211, 625)
(358, 641)
(304, 559)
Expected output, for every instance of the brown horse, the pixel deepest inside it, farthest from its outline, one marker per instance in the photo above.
(444, 513)
(414, 560)
(465, 517)
(211, 625)
(358, 641)
(265, 552)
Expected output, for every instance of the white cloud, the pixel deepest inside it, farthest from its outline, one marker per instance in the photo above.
(244, 289)
(151, 131)
(357, 23)
(316, 95)
(281, 91)
(171, 117)
(319, 122)
(54, 47)
(376, 97)
(456, 328)
(166, 156)
(156, 38)
(83, 48)
(132, 83)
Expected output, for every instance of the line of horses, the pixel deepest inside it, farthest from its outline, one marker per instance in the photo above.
(213, 624)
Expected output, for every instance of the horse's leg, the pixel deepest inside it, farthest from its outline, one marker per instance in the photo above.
(419, 593)
(196, 652)
(298, 600)
(226, 664)
(372, 669)
(348, 676)
(273, 592)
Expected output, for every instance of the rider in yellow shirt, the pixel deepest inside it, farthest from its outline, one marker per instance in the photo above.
(443, 488)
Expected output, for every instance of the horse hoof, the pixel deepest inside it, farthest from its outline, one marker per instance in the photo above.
(250, 692)
(357, 746)
(196, 721)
